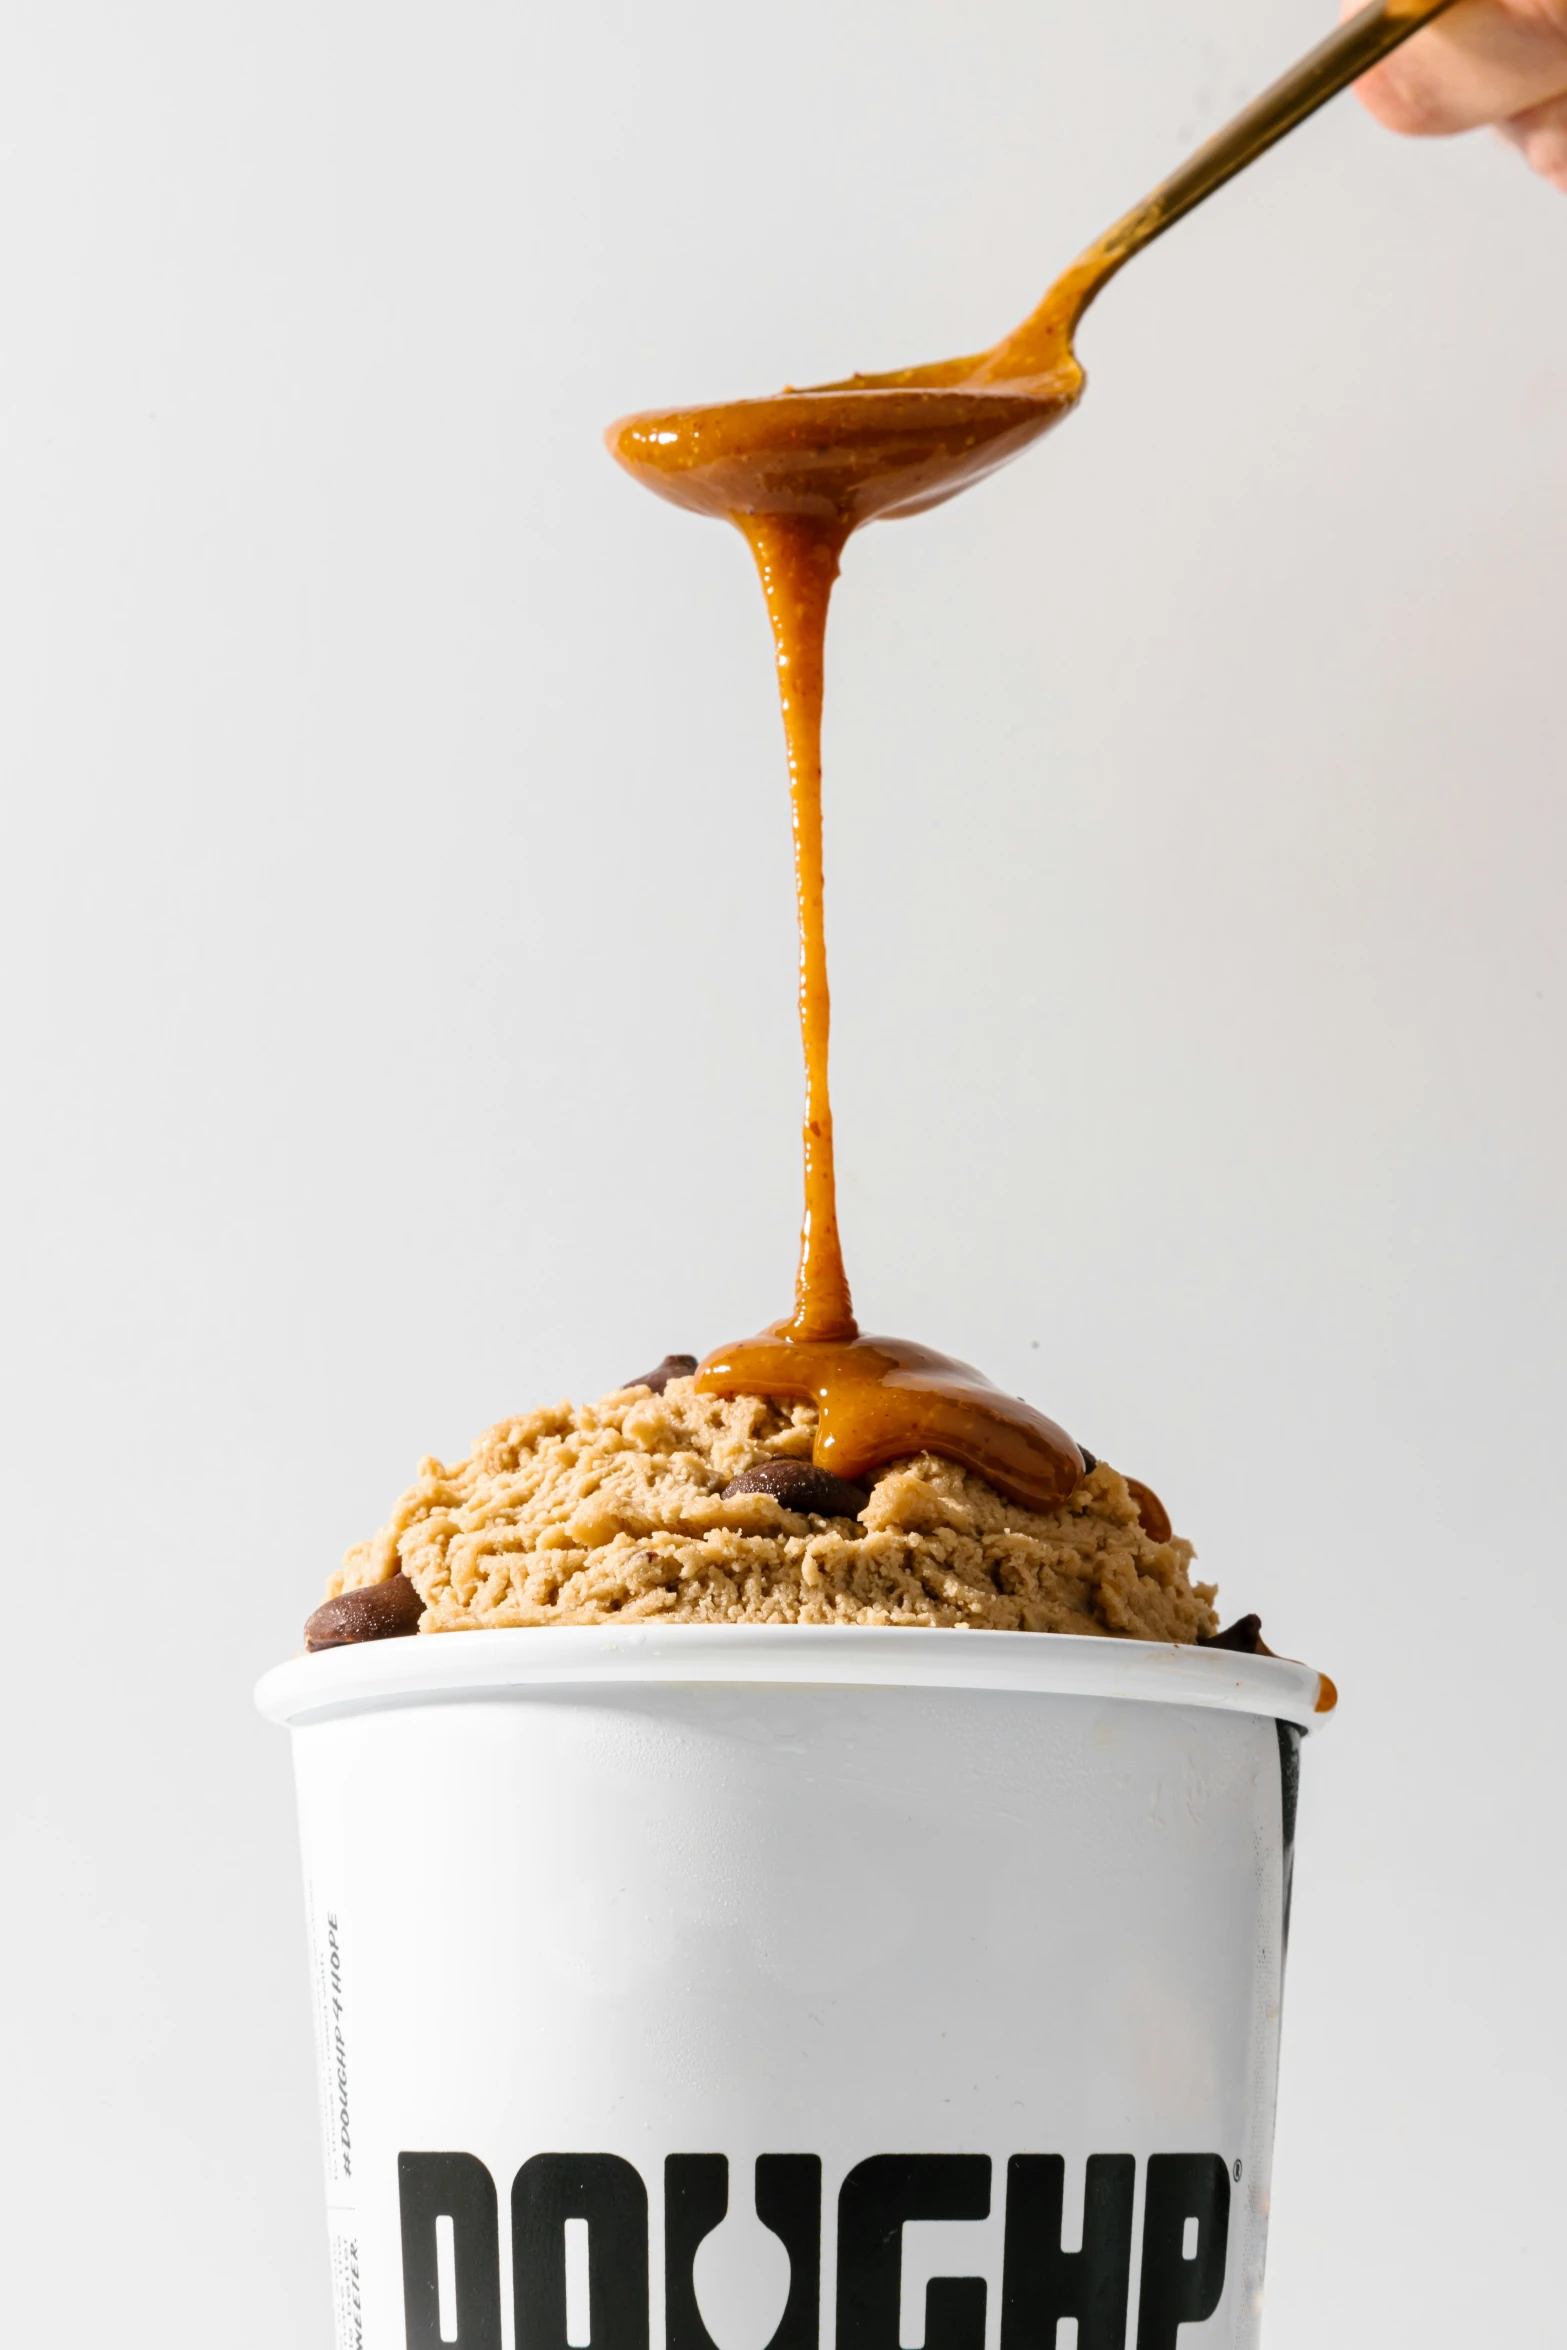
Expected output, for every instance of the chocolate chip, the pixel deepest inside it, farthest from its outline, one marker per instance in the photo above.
(376, 1611)
(1090, 1460)
(802, 1486)
(1151, 1510)
(1244, 1635)
(672, 1367)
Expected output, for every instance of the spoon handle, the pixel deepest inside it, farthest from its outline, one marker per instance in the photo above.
(1342, 58)
(1357, 45)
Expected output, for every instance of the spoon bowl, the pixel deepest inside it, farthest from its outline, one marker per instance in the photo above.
(872, 446)
(850, 453)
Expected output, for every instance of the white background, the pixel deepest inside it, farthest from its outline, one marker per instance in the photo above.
(398, 995)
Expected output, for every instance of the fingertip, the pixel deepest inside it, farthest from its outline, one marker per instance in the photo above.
(1405, 97)
(1540, 135)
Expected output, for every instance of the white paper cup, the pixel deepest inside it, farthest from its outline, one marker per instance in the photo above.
(955, 1956)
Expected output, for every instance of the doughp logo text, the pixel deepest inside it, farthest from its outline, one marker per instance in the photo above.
(1180, 2259)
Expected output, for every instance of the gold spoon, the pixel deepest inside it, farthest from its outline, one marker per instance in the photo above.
(893, 444)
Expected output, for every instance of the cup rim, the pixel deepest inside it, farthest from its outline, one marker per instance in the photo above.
(452, 1667)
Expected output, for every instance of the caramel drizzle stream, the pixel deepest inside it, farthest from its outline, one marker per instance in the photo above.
(797, 559)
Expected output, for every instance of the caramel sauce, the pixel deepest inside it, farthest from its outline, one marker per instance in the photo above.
(843, 454)
(797, 475)
(879, 1399)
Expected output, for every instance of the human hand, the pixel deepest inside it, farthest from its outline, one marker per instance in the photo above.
(1486, 61)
